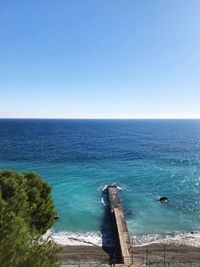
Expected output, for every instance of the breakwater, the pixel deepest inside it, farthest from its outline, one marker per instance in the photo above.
(120, 230)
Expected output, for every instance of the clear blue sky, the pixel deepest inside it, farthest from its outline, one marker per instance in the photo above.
(100, 58)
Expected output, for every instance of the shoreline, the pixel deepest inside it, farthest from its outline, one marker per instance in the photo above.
(191, 239)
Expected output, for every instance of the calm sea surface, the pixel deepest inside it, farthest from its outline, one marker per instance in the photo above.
(146, 158)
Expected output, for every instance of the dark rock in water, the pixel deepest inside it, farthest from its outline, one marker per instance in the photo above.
(163, 200)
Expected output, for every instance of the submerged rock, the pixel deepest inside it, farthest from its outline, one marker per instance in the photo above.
(164, 200)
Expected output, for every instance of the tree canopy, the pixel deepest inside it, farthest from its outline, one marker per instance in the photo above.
(26, 212)
(27, 196)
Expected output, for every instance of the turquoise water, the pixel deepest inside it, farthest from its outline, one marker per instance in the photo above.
(146, 158)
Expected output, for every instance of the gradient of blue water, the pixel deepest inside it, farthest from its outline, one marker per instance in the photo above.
(147, 158)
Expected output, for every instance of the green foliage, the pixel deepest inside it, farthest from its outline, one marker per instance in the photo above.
(29, 197)
(22, 248)
(26, 212)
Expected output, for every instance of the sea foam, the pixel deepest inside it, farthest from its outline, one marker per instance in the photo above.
(119, 187)
(75, 239)
(95, 239)
(189, 239)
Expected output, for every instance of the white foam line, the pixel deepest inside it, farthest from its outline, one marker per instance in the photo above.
(104, 187)
(95, 239)
(189, 239)
(103, 202)
(75, 239)
(113, 184)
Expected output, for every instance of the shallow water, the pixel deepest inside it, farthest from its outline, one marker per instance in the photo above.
(146, 158)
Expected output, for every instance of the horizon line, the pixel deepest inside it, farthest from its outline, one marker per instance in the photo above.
(90, 118)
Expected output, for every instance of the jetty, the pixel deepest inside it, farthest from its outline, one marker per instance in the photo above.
(115, 255)
(120, 230)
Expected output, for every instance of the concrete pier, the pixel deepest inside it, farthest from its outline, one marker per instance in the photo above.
(119, 225)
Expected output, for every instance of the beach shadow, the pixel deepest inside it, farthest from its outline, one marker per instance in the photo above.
(110, 238)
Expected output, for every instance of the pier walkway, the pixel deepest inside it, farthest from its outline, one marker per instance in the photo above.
(120, 229)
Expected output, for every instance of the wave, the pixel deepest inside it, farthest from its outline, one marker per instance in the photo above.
(95, 239)
(75, 239)
(103, 188)
(189, 239)
(103, 201)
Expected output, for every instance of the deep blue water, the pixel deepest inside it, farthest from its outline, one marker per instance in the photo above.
(147, 158)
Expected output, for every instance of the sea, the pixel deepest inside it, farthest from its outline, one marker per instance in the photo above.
(146, 159)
